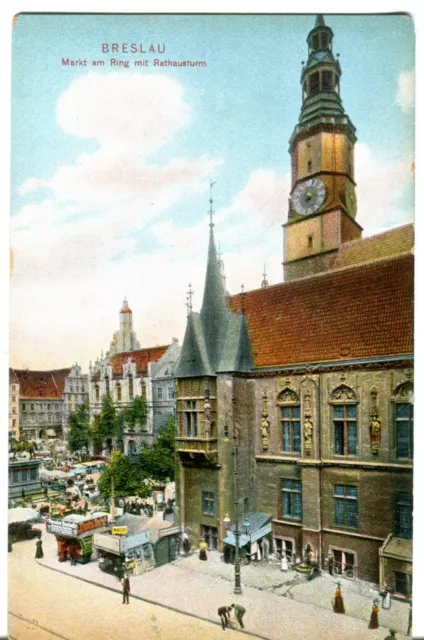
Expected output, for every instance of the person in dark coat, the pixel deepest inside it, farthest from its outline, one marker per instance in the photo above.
(392, 635)
(224, 614)
(330, 563)
(126, 590)
(73, 556)
(239, 612)
(202, 552)
(373, 623)
(39, 549)
(338, 604)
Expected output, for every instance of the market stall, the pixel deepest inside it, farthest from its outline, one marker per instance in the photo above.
(74, 535)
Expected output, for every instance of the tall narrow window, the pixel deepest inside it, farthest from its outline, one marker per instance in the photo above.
(314, 82)
(404, 412)
(159, 393)
(190, 418)
(403, 515)
(107, 386)
(208, 503)
(327, 80)
(130, 387)
(143, 389)
(346, 506)
(97, 393)
(118, 392)
(345, 430)
(291, 498)
(291, 428)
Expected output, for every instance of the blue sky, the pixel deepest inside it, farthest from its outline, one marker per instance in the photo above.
(110, 167)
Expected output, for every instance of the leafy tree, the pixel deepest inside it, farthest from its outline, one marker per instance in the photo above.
(128, 480)
(79, 427)
(158, 463)
(108, 422)
(135, 414)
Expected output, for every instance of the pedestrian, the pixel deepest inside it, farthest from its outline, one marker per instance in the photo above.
(386, 599)
(126, 590)
(224, 614)
(330, 561)
(338, 604)
(239, 612)
(202, 552)
(392, 635)
(373, 623)
(73, 556)
(284, 563)
(39, 549)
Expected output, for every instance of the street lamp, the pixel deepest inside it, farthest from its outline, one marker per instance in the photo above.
(237, 582)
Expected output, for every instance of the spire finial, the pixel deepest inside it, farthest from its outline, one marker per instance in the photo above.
(319, 22)
(211, 202)
(264, 282)
(189, 299)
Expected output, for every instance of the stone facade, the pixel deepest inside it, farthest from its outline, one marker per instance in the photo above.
(13, 407)
(75, 394)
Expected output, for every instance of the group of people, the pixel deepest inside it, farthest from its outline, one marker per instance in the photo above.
(138, 508)
(225, 615)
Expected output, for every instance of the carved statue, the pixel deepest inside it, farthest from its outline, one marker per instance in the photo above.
(207, 416)
(375, 431)
(265, 425)
(307, 433)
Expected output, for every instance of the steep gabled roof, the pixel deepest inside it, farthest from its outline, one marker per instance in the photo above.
(41, 384)
(141, 357)
(365, 311)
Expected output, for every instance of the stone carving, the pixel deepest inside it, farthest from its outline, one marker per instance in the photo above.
(288, 396)
(207, 415)
(307, 434)
(375, 424)
(265, 423)
(404, 391)
(343, 394)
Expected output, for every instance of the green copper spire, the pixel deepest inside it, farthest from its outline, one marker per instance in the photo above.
(320, 80)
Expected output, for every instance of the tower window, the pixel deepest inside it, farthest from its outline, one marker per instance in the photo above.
(315, 41)
(327, 80)
(309, 165)
(324, 40)
(310, 242)
(314, 83)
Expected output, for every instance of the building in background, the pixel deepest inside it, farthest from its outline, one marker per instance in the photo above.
(40, 402)
(75, 394)
(13, 406)
(125, 339)
(125, 376)
(309, 382)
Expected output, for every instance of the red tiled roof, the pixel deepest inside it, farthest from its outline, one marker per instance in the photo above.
(141, 357)
(360, 312)
(383, 245)
(41, 384)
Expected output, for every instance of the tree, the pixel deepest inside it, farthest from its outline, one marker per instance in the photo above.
(158, 463)
(128, 480)
(79, 427)
(135, 414)
(108, 422)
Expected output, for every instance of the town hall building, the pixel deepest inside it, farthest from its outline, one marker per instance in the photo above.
(308, 384)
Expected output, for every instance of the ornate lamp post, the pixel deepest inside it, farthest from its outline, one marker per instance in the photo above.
(237, 582)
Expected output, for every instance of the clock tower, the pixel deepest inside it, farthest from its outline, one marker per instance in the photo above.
(322, 203)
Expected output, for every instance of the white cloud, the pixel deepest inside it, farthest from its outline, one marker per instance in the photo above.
(381, 183)
(405, 96)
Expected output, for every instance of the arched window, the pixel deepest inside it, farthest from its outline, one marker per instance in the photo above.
(344, 410)
(118, 392)
(403, 410)
(97, 393)
(289, 404)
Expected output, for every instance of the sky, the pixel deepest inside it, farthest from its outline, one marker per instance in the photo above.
(111, 165)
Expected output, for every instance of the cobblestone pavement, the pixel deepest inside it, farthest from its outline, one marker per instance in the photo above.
(199, 588)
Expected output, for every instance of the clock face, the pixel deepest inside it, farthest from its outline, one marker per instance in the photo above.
(308, 196)
(350, 197)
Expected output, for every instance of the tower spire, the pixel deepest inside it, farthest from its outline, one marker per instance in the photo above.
(319, 22)
(264, 282)
(211, 212)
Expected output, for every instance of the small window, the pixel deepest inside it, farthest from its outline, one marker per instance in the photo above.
(33, 474)
(24, 475)
(346, 506)
(32, 407)
(314, 83)
(403, 516)
(13, 398)
(13, 387)
(160, 393)
(208, 503)
(327, 80)
(118, 393)
(309, 166)
(245, 505)
(23, 406)
(310, 242)
(344, 418)
(291, 498)
(324, 40)
(315, 41)
(404, 413)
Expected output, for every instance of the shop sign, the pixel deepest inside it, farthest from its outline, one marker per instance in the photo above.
(87, 546)
(62, 528)
(89, 525)
(119, 531)
(107, 542)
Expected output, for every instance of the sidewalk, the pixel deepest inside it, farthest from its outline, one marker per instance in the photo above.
(183, 587)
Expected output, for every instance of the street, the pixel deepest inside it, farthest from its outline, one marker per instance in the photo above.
(46, 605)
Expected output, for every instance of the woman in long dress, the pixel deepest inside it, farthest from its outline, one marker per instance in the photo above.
(284, 563)
(338, 604)
(373, 623)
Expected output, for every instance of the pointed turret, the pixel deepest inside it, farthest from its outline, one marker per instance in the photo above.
(319, 22)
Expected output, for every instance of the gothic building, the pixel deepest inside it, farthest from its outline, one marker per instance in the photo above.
(309, 382)
(125, 339)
